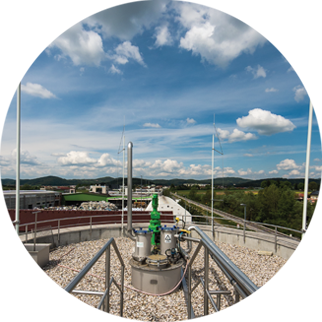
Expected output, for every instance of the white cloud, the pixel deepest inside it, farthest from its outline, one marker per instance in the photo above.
(287, 164)
(317, 160)
(300, 93)
(216, 37)
(82, 46)
(155, 125)
(25, 158)
(37, 90)
(259, 72)
(273, 172)
(265, 122)
(292, 69)
(235, 136)
(163, 36)
(167, 166)
(271, 90)
(190, 121)
(248, 155)
(244, 173)
(107, 160)
(126, 51)
(115, 70)
(294, 172)
(75, 158)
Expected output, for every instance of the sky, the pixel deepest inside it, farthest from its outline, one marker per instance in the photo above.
(171, 74)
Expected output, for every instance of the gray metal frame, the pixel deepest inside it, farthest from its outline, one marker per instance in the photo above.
(242, 284)
(105, 300)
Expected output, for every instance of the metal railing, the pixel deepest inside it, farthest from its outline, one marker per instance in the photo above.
(243, 286)
(105, 300)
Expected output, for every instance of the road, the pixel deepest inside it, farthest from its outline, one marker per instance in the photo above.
(237, 220)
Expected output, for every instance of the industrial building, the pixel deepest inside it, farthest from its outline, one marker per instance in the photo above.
(30, 199)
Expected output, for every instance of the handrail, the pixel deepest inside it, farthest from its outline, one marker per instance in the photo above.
(105, 298)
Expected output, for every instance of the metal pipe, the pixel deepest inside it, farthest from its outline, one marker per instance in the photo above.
(106, 304)
(17, 220)
(307, 168)
(123, 186)
(129, 190)
(206, 284)
(88, 292)
(243, 281)
(207, 295)
(212, 185)
(107, 291)
(87, 267)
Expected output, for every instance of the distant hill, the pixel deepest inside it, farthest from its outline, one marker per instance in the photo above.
(257, 183)
(57, 181)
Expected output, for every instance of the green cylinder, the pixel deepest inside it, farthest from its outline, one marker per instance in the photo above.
(155, 222)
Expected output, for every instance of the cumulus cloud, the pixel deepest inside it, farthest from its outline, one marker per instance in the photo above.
(292, 69)
(37, 90)
(162, 36)
(155, 125)
(216, 37)
(242, 172)
(107, 160)
(126, 51)
(235, 136)
(300, 93)
(167, 165)
(115, 70)
(265, 122)
(294, 172)
(190, 121)
(82, 46)
(271, 90)
(287, 164)
(273, 172)
(76, 158)
(248, 155)
(257, 72)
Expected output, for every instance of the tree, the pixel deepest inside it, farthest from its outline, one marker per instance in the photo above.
(313, 186)
(264, 184)
(300, 186)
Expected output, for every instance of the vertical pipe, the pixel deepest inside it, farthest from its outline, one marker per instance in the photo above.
(189, 291)
(106, 305)
(206, 286)
(122, 291)
(307, 168)
(129, 187)
(212, 185)
(218, 301)
(123, 186)
(26, 232)
(17, 222)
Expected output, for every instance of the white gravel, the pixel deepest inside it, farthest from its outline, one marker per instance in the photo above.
(259, 268)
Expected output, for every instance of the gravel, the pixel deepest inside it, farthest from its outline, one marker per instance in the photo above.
(65, 262)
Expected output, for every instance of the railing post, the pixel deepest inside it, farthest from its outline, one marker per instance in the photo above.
(58, 236)
(122, 288)
(275, 240)
(35, 231)
(244, 231)
(218, 301)
(26, 232)
(205, 295)
(236, 296)
(90, 231)
(189, 292)
(106, 305)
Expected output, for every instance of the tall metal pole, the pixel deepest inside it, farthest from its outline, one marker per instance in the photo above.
(212, 184)
(123, 187)
(17, 222)
(307, 168)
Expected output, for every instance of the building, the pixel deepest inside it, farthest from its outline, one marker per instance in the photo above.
(30, 199)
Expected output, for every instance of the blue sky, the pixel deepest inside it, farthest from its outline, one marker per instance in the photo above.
(164, 69)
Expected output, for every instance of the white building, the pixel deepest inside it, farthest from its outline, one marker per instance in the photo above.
(168, 204)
